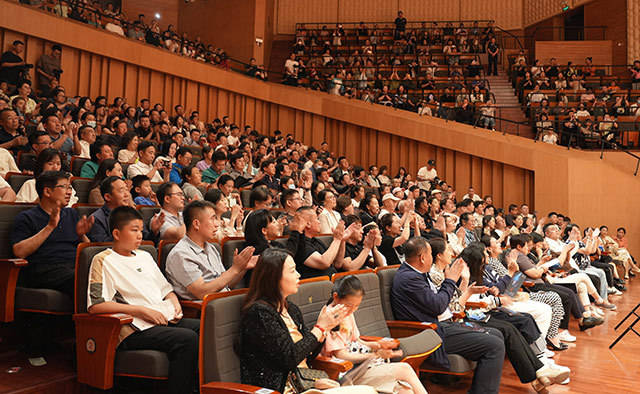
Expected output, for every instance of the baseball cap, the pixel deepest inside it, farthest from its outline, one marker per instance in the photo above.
(390, 196)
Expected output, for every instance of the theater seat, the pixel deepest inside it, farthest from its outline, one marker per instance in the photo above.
(39, 300)
(147, 363)
(458, 364)
(97, 335)
(229, 246)
(312, 295)
(14, 296)
(82, 188)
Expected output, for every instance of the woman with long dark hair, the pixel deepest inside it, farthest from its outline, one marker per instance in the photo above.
(274, 339)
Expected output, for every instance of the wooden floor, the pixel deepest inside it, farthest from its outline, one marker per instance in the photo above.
(594, 368)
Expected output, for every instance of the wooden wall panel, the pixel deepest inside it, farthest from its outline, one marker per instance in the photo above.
(506, 13)
(367, 10)
(536, 10)
(168, 10)
(633, 30)
(575, 51)
(417, 10)
(290, 12)
(613, 14)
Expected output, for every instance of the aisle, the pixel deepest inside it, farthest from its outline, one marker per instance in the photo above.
(594, 368)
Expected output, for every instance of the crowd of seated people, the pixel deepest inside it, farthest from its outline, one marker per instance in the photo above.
(195, 173)
(427, 69)
(104, 15)
(579, 104)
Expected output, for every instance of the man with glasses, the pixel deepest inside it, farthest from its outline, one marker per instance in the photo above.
(38, 141)
(171, 199)
(48, 235)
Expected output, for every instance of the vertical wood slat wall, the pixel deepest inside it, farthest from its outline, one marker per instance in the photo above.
(90, 74)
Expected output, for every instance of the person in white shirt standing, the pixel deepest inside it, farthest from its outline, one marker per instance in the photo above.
(427, 174)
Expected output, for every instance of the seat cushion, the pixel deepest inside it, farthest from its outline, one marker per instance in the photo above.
(149, 363)
(43, 299)
(420, 343)
(458, 364)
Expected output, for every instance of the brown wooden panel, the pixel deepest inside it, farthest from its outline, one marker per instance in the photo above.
(115, 79)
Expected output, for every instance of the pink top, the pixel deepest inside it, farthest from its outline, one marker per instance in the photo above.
(342, 338)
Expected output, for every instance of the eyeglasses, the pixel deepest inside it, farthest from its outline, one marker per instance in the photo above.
(66, 187)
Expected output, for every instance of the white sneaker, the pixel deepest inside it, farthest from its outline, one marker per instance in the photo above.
(564, 336)
(548, 353)
(566, 381)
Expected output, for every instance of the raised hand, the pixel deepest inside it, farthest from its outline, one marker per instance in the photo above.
(331, 316)
(454, 271)
(84, 225)
(242, 260)
(338, 232)
(156, 223)
(54, 217)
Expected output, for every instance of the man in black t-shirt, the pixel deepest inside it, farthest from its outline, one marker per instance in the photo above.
(11, 64)
(314, 258)
(361, 254)
(492, 52)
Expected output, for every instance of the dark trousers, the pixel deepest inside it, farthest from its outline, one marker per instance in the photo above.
(570, 301)
(493, 65)
(180, 342)
(608, 271)
(524, 361)
(486, 348)
(59, 278)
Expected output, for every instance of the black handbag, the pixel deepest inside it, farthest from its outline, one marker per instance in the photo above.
(303, 379)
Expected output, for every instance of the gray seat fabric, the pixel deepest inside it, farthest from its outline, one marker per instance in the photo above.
(87, 210)
(76, 165)
(417, 344)
(386, 281)
(369, 316)
(147, 213)
(82, 188)
(43, 299)
(8, 212)
(17, 180)
(149, 363)
(229, 246)
(325, 239)
(164, 253)
(221, 319)
(310, 298)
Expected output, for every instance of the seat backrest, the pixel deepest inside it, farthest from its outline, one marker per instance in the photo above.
(84, 256)
(147, 213)
(245, 197)
(82, 188)
(76, 165)
(385, 278)
(164, 248)
(220, 327)
(312, 295)
(229, 246)
(369, 316)
(86, 209)
(325, 239)
(8, 212)
(16, 180)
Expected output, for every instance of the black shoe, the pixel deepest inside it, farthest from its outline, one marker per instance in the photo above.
(590, 322)
(631, 274)
(563, 346)
(620, 287)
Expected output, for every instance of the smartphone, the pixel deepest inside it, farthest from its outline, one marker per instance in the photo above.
(596, 232)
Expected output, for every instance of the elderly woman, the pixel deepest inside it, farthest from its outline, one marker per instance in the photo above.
(329, 217)
(229, 226)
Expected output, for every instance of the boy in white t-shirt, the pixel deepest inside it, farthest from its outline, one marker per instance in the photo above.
(124, 279)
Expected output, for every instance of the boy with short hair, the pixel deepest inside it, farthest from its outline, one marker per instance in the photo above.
(124, 279)
(142, 191)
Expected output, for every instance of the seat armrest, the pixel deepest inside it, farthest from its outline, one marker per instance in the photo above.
(9, 270)
(191, 309)
(332, 366)
(233, 388)
(528, 283)
(97, 337)
(388, 343)
(475, 305)
(405, 328)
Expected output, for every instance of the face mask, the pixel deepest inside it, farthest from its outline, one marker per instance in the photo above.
(292, 186)
(92, 123)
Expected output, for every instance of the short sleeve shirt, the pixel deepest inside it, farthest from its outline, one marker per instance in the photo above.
(170, 220)
(133, 280)
(525, 264)
(188, 262)
(59, 249)
(10, 74)
(393, 255)
(311, 246)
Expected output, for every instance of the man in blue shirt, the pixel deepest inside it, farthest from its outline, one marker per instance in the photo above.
(48, 235)
(100, 151)
(414, 297)
(183, 159)
(116, 194)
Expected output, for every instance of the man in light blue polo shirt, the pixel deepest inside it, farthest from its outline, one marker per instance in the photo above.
(194, 266)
